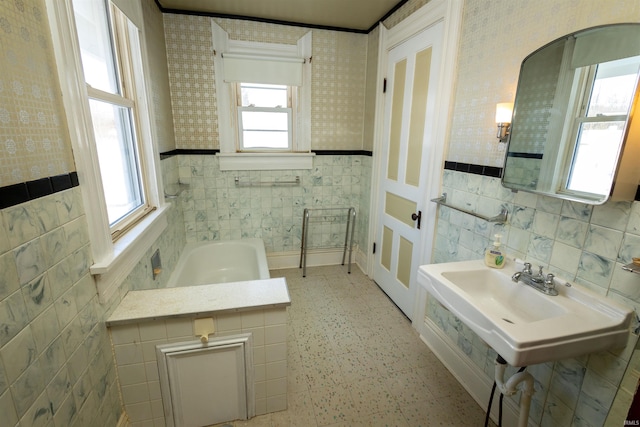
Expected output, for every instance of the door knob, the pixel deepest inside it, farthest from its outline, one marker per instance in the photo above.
(417, 217)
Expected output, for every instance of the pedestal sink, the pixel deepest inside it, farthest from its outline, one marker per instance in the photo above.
(521, 324)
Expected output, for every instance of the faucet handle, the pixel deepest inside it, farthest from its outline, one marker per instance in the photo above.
(540, 273)
(549, 283)
(527, 268)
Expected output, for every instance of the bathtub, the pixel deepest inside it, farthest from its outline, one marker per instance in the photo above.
(208, 262)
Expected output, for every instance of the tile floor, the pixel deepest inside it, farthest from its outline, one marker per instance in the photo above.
(355, 360)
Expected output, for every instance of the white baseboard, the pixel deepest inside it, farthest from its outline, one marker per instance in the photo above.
(315, 258)
(477, 384)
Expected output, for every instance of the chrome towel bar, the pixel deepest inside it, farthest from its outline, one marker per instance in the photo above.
(265, 183)
(501, 218)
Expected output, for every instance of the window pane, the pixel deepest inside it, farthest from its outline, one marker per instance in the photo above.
(117, 157)
(260, 139)
(265, 120)
(259, 95)
(595, 157)
(613, 86)
(95, 44)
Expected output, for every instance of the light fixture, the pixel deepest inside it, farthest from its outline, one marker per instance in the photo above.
(504, 110)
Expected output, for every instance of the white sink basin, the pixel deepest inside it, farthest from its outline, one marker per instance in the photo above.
(521, 324)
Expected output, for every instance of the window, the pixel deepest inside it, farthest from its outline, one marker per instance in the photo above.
(601, 113)
(263, 94)
(100, 58)
(264, 117)
(108, 43)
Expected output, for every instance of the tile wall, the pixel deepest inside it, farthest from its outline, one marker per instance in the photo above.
(56, 366)
(215, 209)
(135, 352)
(584, 244)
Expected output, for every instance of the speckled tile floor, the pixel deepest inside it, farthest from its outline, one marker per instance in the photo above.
(355, 360)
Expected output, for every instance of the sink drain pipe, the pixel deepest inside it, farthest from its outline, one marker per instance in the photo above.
(509, 388)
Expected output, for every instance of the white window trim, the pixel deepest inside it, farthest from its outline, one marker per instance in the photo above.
(113, 261)
(230, 159)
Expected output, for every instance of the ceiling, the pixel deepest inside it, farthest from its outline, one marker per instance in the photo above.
(348, 15)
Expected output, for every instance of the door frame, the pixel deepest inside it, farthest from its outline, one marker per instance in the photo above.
(450, 13)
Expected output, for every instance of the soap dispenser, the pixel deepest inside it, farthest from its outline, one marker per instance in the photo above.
(494, 255)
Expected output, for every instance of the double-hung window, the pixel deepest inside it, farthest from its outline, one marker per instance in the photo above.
(265, 120)
(263, 93)
(100, 56)
(109, 46)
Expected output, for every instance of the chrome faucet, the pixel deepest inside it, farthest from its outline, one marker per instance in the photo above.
(539, 282)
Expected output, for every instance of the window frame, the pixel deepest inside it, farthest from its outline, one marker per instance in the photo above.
(113, 259)
(289, 109)
(230, 158)
(577, 115)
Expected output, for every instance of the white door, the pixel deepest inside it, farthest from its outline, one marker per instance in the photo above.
(410, 104)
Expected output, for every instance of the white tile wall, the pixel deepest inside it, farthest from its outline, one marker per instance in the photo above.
(135, 351)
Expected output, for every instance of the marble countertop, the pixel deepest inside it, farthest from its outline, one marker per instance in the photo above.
(188, 301)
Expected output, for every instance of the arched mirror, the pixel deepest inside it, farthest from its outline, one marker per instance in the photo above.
(572, 133)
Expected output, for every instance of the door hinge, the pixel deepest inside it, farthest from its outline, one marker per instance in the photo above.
(374, 247)
(384, 85)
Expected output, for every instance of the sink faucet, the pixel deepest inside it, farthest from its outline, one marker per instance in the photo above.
(539, 282)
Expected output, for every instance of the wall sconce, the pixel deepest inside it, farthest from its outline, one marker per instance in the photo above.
(504, 110)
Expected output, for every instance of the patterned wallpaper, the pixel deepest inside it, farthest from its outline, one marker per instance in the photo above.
(33, 133)
(338, 87)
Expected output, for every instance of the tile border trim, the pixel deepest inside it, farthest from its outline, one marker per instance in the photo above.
(15, 194)
(213, 152)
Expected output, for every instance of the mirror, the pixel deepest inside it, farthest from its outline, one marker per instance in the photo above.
(572, 117)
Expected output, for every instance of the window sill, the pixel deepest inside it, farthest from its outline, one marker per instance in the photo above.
(265, 161)
(110, 271)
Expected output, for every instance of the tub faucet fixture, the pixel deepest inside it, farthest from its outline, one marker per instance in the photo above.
(539, 281)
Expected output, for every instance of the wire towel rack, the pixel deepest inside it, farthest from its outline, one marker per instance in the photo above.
(327, 215)
(501, 218)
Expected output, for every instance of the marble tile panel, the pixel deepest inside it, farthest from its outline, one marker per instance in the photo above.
(525, 199)
(572, 231)
(629, 249)
(45, 328)
(37, 295)
(545, 224)
(76, 234)
(549, 204)
(5, 245)
(633, 226)
(596, 269)
(566, 258)
(54, 246)
(66, 308)
(589, 412)
(603, 241)
(556, 413)
(59, 278)
(7, 409)
(540, 248)
(607, 366)
(67, 413)
(39, 413)
(27, 388)
(29, 261)
(576, 210)
(9, 281)
(69, 205)
(625, 283)
(45, 211)
(51, 360)
(13, 313)
(612, 215)
(18, 354)
(21, 224)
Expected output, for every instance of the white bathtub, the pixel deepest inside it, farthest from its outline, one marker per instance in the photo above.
(208, 262)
